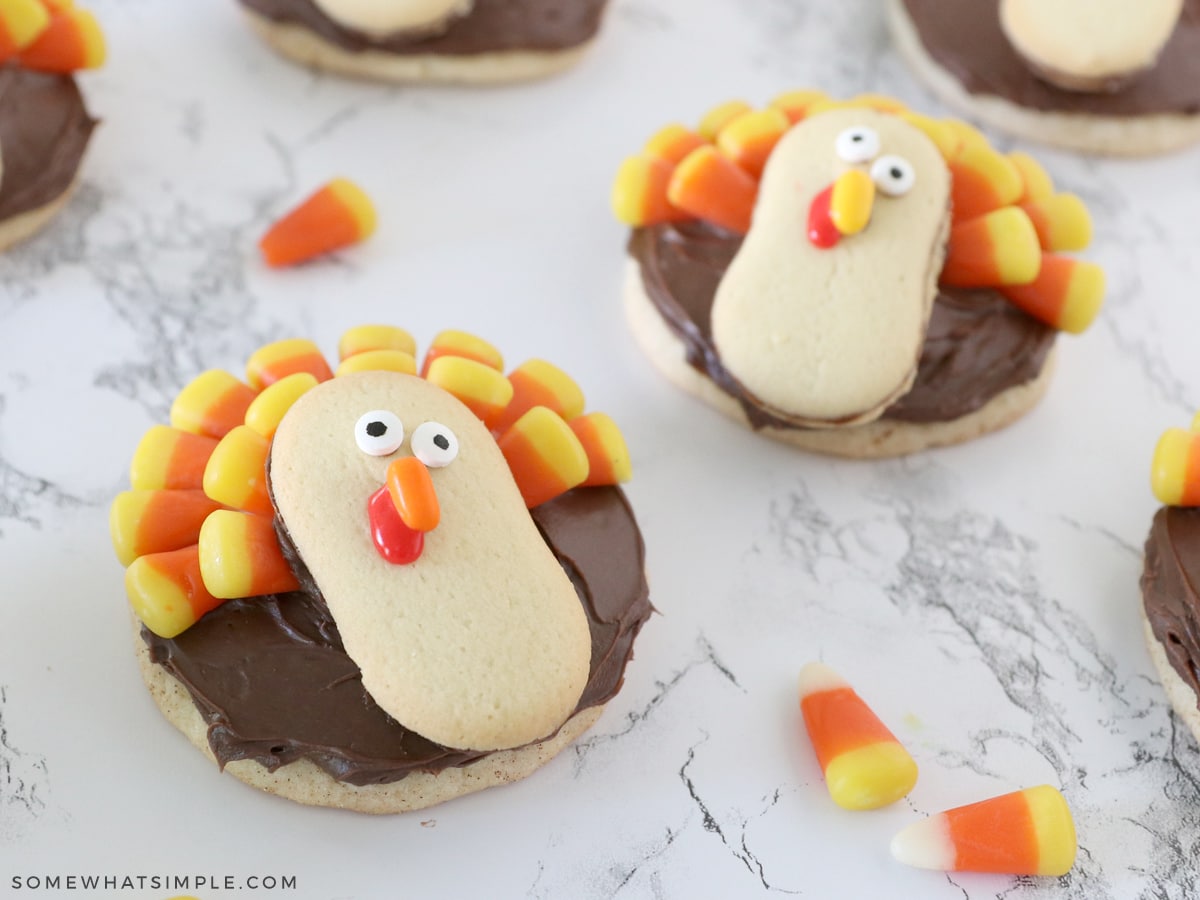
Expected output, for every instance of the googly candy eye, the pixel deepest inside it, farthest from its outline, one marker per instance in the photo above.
(378, 432)
(893, 175)
(857, 145)
(434, 444)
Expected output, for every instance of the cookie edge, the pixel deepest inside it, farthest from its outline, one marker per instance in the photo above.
(1182, 698)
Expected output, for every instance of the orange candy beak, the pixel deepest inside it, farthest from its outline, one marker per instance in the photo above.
(412, 491)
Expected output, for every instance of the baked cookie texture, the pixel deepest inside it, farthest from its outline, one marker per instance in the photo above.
(463, 42)
(1120, 79)
(387, 588)
(848, 276)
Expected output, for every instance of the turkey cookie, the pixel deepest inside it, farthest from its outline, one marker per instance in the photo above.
(850, 277)
(465, 41)
(1102, 76)
(1170, 603)
(44, 124)
(383, 589)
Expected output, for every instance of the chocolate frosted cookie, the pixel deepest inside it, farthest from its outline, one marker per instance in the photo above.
(467, 41)
(850, 277)
(431, 586)
(1108, 77)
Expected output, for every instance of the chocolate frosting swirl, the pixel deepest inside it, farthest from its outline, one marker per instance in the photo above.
(965, 38)
(1170, 597)
(977, 345)
(44, 129)
(272, 681)
(491, 26)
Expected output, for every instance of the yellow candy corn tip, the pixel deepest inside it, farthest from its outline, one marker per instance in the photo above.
(375, 337)
(156, 600)
(1168, 472)
(871, 777)
(24, 21)
(851, 202)
(628, 190)
(123, 517)
(720, 116)
(355, 199)
(1084, 299)
(267, 410)
(378, 360)
(1055, 828)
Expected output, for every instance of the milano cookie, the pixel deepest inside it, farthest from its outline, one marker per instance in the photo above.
(382, 589)
(464, 41)
(1107, 77)
(850, 277)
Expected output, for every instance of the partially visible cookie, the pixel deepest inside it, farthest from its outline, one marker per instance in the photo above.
(1071, 74)
(446, 41)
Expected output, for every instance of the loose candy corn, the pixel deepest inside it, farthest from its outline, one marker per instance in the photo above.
(167, 458)
(538, 383)
(236, 474)
(1067, 293)
(1175, 472)
(267, 410)
(713, 188)
(21, 22)
(72, 40)
(1028, 832)
(998, 248)
(608, 457)
(468, 346)
(145, 522)
(211, 403)
(482, 389)
(336, 216)
(865, 766)
(167, 591)
(545, 456)
(239, 556)
(274, 361)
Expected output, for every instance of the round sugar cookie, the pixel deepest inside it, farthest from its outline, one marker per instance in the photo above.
(961, 53)
(495, 42)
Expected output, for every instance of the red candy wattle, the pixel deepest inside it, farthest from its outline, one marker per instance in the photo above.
(395, 541)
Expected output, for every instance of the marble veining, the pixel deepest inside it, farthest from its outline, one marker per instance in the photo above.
(24, 782)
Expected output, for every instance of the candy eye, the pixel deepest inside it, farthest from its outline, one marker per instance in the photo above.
(434, 444)
(378, 432)
(857, 145)
(893, 175)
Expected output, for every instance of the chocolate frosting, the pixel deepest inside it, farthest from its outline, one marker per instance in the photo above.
(1169, 589)
(271, 679)
(977, 345)
(44, 129)
(965, 38)
(491, 26)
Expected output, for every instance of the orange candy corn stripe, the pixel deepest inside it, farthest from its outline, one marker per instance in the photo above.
(236, 474)
(544, 455)
(336, 216)
(240, 557)
(211, 404)
(711, 187)
(1028, 832)
(796, 104)
(608, 457)
(1067, 293)
(983, 180)
(995, 249)
(72, 40)
(144, 522)
(21, 22)
(167, 591)
(865, 766)
(481, 388)
(167, 458)
(538, 383)
(270, 363)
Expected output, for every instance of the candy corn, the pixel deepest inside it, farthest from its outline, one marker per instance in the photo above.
(608, 457)
(375, 337)
(481, 388)
(169, 458)
(945, 138)
(850, 201)
(267, 410)
(379, 361)
(167, 591)
(749, 139)
(1029, 832)
(21, 22)
(544, 455)
(413, 494)
(336, 216)
(143, 522)
(468, 346)
(671, 144)
(998, 248)
(982, 180)
(865, 766)
(211, 403)
(639, 194)
(539, 383)
(1035, 182)
(720, 116)
(72, 40)
(795, 104)
(1067, 293)
(1175, 472)
(1062, 221)
(239, 556)
(711, 187)
(277, 360)
(236, 474)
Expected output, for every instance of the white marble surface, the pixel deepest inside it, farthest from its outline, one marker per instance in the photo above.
(984, 598)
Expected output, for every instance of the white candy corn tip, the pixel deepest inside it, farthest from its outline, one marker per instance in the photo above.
(925, 845)
(817, 677)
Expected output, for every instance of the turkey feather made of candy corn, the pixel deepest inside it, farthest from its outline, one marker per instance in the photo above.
(50, 36)
(831, 175)
(197, 527)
